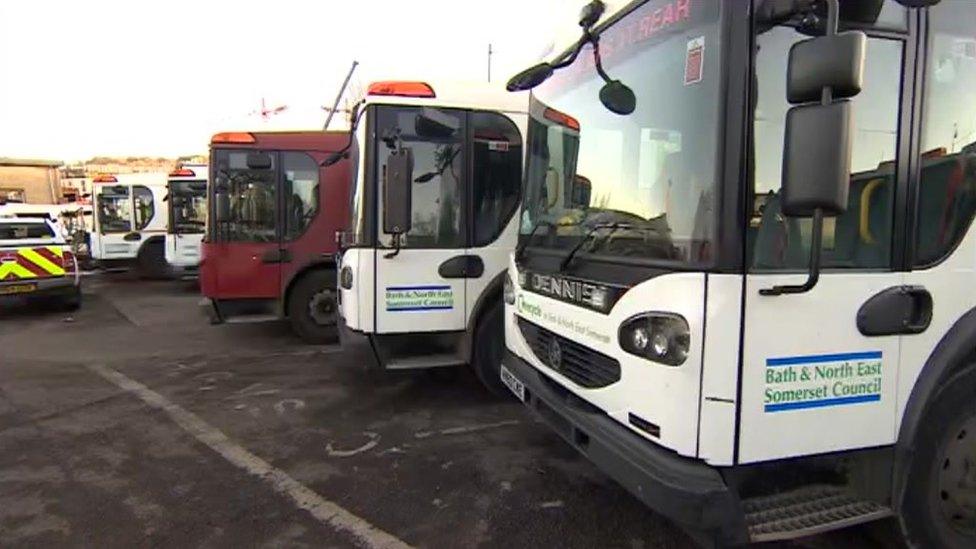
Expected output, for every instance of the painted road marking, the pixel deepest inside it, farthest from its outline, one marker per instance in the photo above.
(325, 511)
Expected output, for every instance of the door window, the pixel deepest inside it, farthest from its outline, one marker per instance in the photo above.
(947, 186)
(301, 192)
(436, 137)
(144, 206)
(497, 174)
(861, 238)
(253, 198)
(114, 210)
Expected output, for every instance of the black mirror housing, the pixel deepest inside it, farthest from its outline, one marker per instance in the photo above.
(618, 98)
(398, 192)
(835, 61)
(530, 77)
(817, 159)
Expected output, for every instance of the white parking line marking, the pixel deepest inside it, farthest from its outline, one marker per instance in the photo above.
(325, 511)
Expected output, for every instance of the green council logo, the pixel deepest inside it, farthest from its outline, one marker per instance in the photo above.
(528, 308)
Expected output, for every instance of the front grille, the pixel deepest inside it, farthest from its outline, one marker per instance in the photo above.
(584, 366)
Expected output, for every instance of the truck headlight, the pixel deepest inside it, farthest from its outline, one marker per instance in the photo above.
(661, 337)
(345, 278)
(508, 290)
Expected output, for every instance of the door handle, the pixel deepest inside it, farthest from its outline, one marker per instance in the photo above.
(896, 310)
(276, 256)
(462, 266)
(132, 237)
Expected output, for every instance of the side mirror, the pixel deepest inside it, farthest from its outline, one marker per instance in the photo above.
(530, 77)
(582, 191)
(822, 75)
(222, 207)
(819, 132)
(397, 193)
(258, 161)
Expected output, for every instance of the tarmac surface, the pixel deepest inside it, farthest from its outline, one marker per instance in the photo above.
(135, 423)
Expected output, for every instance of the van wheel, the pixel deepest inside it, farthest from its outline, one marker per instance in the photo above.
(151, 261)
(940, 499)
(312, 308)
(489, 342)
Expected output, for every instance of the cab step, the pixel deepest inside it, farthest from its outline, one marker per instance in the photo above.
(423, 362)
(807, 511)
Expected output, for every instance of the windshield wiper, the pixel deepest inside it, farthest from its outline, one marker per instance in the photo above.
(525, 243)
(614, 227)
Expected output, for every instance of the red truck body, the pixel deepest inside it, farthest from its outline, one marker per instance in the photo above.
(279, 234)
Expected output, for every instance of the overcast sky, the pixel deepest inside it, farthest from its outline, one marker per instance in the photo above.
(104, 77)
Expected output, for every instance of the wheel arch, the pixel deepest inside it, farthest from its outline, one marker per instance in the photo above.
(491, 292)
(952, 354)
(319, 264)
(152, 240)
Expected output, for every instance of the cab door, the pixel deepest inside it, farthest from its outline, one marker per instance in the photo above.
(114, 217)
(815, 377)
(247, 247)
(420, 285)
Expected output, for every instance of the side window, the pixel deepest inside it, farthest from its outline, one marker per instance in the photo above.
(144, 206)
(114, 210)
(497, 174)
(301, 192)
(861, 238)
(436, 137)
(253, 198)
(947, 186)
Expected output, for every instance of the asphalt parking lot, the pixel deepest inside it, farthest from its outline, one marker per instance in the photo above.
(133, 422)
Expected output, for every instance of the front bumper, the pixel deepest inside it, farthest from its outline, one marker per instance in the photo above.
(46, 287)
(685, 490)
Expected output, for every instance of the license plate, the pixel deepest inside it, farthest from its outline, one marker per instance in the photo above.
(17, 289)
(512, 383)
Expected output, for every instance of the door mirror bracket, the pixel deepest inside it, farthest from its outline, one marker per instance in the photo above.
(822, 75)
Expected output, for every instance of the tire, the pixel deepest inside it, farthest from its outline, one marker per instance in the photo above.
(312, 308)
(489, 344)
(151, 262)
(935, 512)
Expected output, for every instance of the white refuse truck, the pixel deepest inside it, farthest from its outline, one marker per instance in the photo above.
(744, 282)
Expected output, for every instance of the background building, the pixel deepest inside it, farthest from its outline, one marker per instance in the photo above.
(30, 181)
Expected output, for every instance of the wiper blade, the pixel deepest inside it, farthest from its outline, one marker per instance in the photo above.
(614, 227)
(520, 249)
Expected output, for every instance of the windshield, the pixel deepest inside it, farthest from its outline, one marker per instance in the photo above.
(114, 211)
(25, 231)
(640, 185)
(188, 206)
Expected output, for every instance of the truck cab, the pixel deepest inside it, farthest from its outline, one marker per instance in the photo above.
(436, 192)
(186, 200)
(756, 311)
(269, 251)
(129, 228)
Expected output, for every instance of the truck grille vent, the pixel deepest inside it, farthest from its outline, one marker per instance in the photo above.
(584, 366)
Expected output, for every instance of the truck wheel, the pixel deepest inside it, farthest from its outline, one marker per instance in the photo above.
(489, 343)
(151, 261)
(312, 308)
(940, 499)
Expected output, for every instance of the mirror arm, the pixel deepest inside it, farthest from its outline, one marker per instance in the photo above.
(396, 247)
(814, 274)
